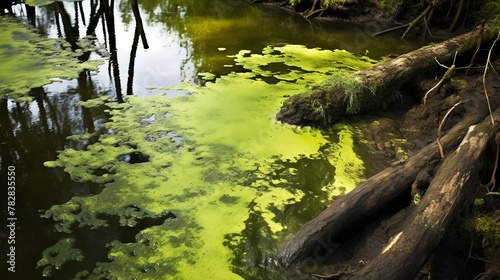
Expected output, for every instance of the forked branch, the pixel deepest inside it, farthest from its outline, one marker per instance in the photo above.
(445, 77)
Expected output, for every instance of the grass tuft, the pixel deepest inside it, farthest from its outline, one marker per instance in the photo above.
(351, 86)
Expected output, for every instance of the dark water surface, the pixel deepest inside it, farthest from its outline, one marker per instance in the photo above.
(184, 38)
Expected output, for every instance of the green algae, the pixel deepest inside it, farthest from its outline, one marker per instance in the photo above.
(349, 169)
(299, 59)
(58, 254)
(95, 102)
(219, 161)
(45, 2)
(29, 60)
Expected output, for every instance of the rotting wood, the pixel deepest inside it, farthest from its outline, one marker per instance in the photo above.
(377, 83)
(320, 237)
(454, 183)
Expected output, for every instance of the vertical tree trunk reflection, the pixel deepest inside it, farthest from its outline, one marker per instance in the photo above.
(47, 131)
(10, 146)
(70, 32)
(113, 59)
(87, 92)
(139, 30)
(138, 21)
(80, 6)
(131, 65)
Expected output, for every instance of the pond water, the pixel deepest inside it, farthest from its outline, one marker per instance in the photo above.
(166, 162)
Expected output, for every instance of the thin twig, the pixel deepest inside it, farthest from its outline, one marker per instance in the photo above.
(427, 26)
(390, 29)
(491, 185)
(327, 276)
(445, 77)
(313, 8)
(438, 140)
(479, 43)
(330, 276)
(484, 77)
(494, 70)
(315, 12)
(416, 20)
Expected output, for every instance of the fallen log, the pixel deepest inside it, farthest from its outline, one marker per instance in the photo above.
(319, 238)
(375, 87)
(454, 183)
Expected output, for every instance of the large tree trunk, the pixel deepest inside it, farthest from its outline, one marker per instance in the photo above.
(376, 85)
(319, 238)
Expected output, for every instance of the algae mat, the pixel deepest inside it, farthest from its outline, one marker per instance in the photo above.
(28, 60)
(218, 178)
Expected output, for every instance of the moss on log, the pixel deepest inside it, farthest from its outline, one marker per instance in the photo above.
(375, 87)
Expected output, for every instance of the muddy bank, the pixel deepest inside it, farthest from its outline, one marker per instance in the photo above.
(350, 11)
(466, 251)
(442, 20)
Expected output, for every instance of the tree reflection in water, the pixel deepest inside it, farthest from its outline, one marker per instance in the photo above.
(32, 133)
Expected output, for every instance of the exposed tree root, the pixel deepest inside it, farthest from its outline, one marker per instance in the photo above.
(484, 75)
(438, 140)
(412, 244)
(368, 198)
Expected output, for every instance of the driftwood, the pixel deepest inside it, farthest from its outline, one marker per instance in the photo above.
(377, 84)
(455, 181)
(319, 238)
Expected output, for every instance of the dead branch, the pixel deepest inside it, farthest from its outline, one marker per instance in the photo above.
(313, 9)
(378, 83)
(416, 20)
(458, 13)
(454, 182)
(478, 45)
(445, 77)
(484, 77)
(491, 185)
(438, 140)
(330, 276)
(390, 29)
(367, 199)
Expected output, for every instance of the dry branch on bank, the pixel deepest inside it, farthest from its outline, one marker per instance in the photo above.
(367, 199)
(454, 183)
(323, 235)
(375, 85)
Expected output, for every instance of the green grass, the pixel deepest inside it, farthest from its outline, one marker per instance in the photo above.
(350, 85)
(492, 8)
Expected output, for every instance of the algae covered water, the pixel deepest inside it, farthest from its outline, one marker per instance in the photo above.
(167, 162)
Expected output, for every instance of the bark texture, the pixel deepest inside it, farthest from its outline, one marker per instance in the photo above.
(455, 181)
(377, 85)
(321, 236)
